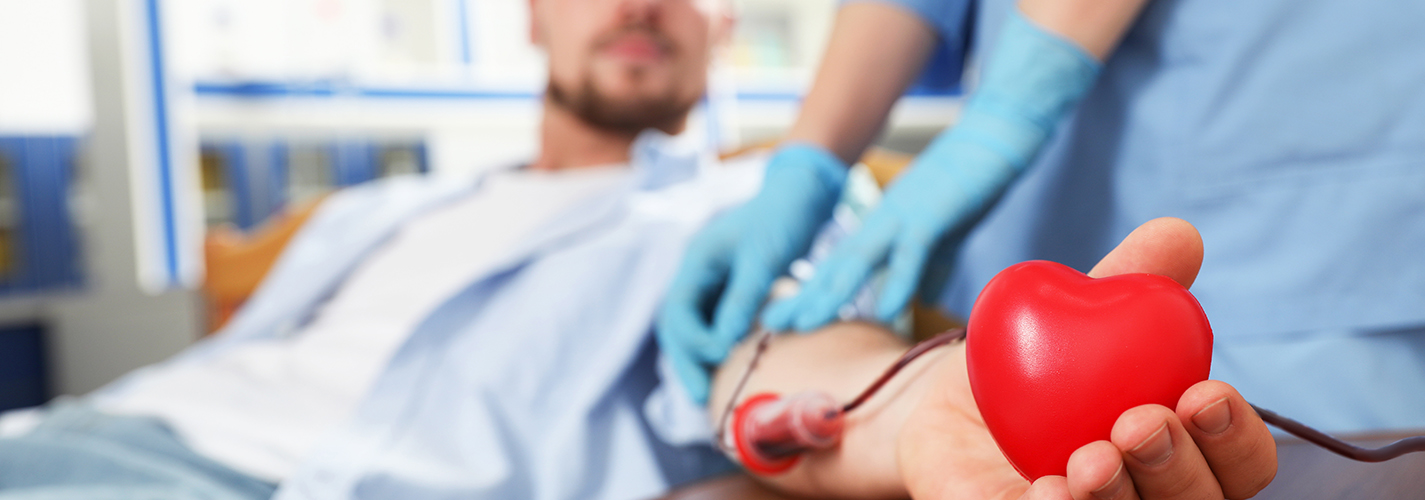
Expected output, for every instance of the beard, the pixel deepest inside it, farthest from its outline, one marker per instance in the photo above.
(585, 100)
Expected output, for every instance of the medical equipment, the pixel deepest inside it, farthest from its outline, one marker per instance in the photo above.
(769, 434)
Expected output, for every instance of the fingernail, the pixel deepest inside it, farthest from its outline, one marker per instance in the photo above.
(1156, 449)
(1113, 487)
(1215, 419)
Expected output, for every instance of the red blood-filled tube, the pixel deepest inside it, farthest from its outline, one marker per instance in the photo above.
(771, 432)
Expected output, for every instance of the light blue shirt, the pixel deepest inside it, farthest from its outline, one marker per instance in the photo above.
(1292, 134)
(541, 379)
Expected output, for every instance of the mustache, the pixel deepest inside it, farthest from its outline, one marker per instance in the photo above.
(663, 41)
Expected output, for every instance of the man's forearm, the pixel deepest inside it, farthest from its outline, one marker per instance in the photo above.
(840, 360)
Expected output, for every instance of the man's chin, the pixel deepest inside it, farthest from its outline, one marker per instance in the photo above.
(628, 110)
(633, 93)
(634, 82)
(636, 116)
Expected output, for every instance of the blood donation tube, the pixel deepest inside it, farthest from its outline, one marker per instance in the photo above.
(771, 432)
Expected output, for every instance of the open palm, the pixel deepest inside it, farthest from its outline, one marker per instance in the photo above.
(945, 450)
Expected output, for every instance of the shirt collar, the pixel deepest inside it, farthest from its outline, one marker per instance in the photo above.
(660, 160)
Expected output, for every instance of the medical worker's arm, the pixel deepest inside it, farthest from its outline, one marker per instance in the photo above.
(1046, 58)
(922, 435)
(731, 264)
(875, 52)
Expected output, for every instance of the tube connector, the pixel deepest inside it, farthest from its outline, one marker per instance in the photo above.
(771, 433)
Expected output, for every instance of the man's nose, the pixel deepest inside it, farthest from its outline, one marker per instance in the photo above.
(640, 10)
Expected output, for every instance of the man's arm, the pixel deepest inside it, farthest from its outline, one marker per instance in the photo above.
(840, 360)
(922, 435)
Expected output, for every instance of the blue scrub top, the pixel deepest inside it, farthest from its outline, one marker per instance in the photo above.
(1292, 134)
(953, 20)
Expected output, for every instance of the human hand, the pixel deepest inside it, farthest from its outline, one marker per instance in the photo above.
(1216, 445)
(1031, 80)
(731, 264)
(929, 207)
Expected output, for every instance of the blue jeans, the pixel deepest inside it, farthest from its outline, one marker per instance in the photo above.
(79, 453)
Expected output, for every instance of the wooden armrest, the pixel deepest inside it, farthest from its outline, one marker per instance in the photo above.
(236, 262)
(884, 164)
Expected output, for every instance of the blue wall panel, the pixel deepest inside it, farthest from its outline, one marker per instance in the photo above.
(275, 177)
(45, 246)
(353, 161)
(257, 173)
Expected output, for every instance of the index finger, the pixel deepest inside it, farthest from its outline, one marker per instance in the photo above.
(683, 319)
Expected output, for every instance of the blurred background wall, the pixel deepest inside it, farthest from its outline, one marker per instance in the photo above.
(129, 129)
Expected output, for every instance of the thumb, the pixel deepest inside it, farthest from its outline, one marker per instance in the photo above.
(1165, 246)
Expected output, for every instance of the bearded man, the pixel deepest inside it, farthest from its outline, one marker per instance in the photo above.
(484, 337)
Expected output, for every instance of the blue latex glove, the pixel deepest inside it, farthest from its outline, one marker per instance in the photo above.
(731, 264)
(1032, 80)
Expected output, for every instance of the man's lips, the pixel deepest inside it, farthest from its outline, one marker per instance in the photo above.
(636, 47)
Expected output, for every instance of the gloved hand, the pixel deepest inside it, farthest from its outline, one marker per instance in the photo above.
(1031, 81)
(729, 266)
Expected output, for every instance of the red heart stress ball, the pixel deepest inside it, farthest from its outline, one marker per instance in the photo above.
(1057, 356)
(1054, 357)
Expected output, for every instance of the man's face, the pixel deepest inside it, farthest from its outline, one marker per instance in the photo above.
(627, 65)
